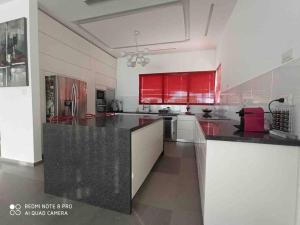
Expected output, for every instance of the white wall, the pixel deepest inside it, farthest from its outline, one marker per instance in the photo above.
(62, 52)
(259, 91)
(20, 124)
(257, 34)
(127, 78)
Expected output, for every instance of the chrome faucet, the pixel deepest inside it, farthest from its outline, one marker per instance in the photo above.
(147, 107)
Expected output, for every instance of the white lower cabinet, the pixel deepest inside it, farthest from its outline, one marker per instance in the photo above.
(250, 184)
(146, 147)
(185, 135)
(247, 183)
(185, 128)
(200, 152)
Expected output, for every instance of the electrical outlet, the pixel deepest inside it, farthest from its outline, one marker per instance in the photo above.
(290, 99)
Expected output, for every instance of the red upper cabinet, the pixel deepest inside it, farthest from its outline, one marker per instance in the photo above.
(175, 88)
(202, 87)
(151, 89)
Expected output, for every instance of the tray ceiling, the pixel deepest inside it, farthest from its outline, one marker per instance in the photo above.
(164, 25)
(73, 10)
(167, 25)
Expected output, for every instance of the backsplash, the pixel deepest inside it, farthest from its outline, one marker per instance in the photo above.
(131, 104)
(258, 92)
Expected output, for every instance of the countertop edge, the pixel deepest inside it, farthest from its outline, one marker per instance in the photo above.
(291, 143)
(143, 125)
(151, 121)
(274, 141)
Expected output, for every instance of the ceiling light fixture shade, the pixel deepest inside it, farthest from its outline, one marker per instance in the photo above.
(137, 57)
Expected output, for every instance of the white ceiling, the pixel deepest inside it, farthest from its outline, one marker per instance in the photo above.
(4, 1)
(159, 25)
(164, 25)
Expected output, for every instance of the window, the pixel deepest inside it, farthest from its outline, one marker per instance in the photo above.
(202, 88)
(195, 88)
(151, 89)
(175, 88)
(218, 84)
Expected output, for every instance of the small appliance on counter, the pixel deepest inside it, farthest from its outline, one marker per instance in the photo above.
(116, 105)
(207, 113)
(165, 111)
(252, 120)
(188, 110)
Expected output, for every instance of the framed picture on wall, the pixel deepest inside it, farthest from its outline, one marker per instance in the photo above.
(13, 55)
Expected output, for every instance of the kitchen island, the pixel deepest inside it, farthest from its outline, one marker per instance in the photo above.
(246, 177)
(101, 161)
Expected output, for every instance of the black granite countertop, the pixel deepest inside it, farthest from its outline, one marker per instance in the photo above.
(129, 122)
(198, 115)
(151, 113)
(224, 130)
(90, 160)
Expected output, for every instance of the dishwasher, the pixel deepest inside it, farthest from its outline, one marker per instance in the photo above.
(170, 128)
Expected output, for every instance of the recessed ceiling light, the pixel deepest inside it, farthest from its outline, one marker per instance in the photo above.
(161, 49)
(90, 2)
(211, 10)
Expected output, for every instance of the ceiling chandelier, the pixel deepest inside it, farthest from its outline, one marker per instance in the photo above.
(137, 57)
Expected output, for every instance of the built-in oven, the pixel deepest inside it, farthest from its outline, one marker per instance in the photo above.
(100, 94)
(101, 105)
(170, 128)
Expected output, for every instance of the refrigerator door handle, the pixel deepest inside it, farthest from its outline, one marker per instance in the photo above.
(73, 100)
(76, 99)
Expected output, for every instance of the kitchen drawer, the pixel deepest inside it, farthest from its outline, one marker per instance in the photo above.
(186, 117)
(185, 135)
(185, 125)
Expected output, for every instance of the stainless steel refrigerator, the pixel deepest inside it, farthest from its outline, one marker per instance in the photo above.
(65, 97)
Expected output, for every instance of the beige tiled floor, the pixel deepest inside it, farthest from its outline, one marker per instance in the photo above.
(169, 196)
